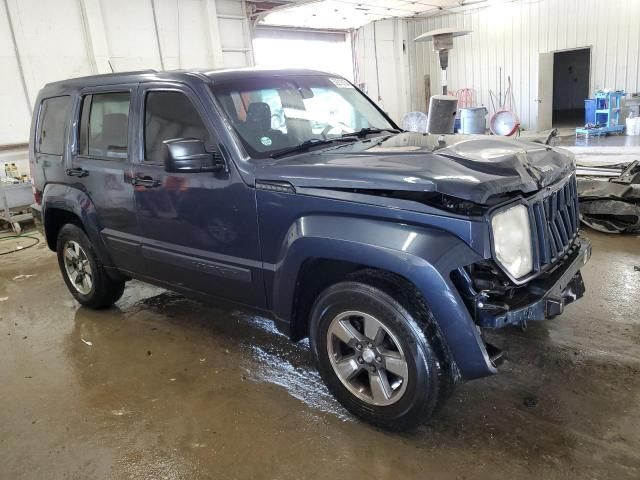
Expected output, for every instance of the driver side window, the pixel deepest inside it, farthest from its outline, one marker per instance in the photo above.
(169, 115)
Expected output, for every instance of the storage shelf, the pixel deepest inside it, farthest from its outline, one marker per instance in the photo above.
(606, 113)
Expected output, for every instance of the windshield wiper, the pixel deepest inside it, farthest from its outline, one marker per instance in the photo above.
(308, 144)
(363, 132)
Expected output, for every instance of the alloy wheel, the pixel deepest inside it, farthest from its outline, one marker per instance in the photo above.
(77, 267)
(367, 358)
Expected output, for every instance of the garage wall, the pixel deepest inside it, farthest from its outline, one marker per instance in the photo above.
(511, 35)
(47, 40)
(382, 64)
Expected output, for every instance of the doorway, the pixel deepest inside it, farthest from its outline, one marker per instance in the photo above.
(570, 86)
(282, 47)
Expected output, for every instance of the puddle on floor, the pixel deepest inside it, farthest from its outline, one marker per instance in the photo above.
(300, 382)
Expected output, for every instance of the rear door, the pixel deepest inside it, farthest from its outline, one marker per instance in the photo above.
(200, 230)
(101, 164)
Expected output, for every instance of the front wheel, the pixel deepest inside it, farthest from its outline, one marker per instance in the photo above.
(86, 278)
(374, 357)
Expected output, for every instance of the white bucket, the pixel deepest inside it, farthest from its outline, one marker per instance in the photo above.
(472, 120)
(633, 126)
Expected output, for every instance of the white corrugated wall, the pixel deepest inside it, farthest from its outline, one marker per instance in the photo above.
(512, 34)
(56, 39)
(381, 63)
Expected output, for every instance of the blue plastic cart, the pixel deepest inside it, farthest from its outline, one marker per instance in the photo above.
(607, 115)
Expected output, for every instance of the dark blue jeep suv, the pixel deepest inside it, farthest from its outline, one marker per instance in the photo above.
(291, 192)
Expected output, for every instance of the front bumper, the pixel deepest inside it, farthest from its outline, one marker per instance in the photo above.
(542, 298)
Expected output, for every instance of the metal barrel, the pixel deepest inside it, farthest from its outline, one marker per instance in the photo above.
(442, 114)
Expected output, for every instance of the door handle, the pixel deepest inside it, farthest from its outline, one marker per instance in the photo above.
(77, 172)
(146, 182)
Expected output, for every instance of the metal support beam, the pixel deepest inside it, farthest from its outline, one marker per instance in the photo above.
(248, 35)
(95, 35)
(211, 11)
(157, 31)
(258, 16)
(14, 42)
(87, 37)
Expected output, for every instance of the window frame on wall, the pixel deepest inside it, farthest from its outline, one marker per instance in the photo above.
(93, 92)
(40, 125)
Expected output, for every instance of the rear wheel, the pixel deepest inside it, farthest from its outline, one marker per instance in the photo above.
(373, 355)
(85, 277)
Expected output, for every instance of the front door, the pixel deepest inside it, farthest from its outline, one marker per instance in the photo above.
(100, 165)
(199, 230)
(545, 91)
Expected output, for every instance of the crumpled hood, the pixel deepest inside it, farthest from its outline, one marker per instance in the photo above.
(469, 167)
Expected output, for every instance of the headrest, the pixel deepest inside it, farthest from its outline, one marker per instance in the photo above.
(259, 116)
(114, 127)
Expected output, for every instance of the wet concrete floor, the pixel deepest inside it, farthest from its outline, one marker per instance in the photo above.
(162, 387)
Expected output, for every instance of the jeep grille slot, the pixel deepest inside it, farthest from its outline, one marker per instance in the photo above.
(275, 186)
(556, 222)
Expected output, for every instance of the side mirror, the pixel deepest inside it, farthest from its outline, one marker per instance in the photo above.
(189, 155)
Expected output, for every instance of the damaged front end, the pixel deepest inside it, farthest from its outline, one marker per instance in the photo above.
(496, 299)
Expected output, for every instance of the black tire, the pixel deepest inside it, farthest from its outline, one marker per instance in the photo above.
(104, 291)
(409, 297)
(425, 388)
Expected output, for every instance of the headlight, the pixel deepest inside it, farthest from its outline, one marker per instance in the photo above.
(512, 240)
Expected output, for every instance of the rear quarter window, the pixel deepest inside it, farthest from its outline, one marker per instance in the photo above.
(54, 113)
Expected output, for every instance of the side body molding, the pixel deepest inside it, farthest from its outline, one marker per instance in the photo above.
(423, 256)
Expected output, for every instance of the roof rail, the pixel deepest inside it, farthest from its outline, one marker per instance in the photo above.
(103, 76)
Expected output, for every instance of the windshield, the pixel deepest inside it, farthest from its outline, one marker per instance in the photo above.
(274, 114)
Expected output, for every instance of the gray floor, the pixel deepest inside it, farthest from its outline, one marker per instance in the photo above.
(165, 387)
(631, 141)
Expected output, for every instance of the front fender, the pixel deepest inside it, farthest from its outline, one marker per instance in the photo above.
(424, 256)
(76, 202)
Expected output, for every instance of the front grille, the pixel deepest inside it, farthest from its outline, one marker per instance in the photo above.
(556, 222)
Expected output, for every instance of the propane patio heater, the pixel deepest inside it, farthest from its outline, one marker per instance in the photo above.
(442, 42)
(442, 108)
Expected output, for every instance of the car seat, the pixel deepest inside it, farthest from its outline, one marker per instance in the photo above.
(258, 128)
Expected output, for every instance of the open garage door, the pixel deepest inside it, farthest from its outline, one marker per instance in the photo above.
(302, 48)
